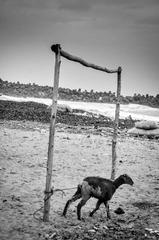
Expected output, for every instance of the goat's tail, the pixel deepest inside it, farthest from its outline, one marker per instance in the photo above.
(78, 192)
(75, 197)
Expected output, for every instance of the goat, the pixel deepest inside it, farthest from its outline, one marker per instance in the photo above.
(97, 187)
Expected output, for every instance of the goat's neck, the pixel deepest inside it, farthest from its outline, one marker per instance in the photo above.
(118, 182)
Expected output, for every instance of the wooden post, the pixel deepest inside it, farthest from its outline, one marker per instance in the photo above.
(116, 121)
(52, 134)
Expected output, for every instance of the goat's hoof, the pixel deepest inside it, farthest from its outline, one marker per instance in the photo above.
(91, 214)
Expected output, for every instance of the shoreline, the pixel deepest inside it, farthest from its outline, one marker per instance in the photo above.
(31, 111)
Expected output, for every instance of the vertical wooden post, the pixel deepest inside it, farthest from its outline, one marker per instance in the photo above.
(52, 134)
(116, 121)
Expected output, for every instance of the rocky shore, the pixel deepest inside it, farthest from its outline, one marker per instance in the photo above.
(32, 111)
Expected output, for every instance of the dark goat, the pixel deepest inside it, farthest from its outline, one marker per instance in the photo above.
(97, 187)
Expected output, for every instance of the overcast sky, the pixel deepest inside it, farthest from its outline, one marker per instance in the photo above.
(109, 33)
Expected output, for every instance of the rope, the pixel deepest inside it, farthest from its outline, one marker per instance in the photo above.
(39, 219)
(68, 188)
(49, 196)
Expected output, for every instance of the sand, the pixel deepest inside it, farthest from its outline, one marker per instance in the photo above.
(79, 152)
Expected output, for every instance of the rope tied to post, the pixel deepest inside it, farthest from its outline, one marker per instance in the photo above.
(51, 192)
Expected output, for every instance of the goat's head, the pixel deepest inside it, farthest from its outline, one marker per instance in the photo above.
(126, 179)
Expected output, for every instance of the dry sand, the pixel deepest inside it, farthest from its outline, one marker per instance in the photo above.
(79, 152)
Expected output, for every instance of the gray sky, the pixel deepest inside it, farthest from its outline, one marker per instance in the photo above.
(109, 33)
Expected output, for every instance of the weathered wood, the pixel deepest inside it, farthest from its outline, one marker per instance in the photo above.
(116, 122)
(51, 135)
(82, 62)
(58, 51)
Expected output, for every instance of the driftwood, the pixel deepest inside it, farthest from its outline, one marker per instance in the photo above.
(81, 61)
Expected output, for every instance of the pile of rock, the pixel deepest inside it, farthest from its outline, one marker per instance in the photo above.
(145, 128)
(63, 108)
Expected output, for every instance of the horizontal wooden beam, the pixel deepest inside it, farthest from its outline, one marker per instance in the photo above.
(81, 61)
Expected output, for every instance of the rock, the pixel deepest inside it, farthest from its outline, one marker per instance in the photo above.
(63, 108)
(105, 227)
(119, 210)
(46, 236)
(31, 166)
(95, 228)
(43, 131)
(146, 125)
(13, 172)
(66, 137)
(92, 231)
(52, 235)
(150, 230)
(15, 198)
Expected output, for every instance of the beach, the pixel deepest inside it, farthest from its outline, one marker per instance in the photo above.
(79, 152)
(79, 120)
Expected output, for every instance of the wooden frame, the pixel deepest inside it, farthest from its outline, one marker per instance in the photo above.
(58, 53)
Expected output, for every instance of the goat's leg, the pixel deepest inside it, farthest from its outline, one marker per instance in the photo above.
(80, 205)
(73, 199)
(107, 209)
(96, 208)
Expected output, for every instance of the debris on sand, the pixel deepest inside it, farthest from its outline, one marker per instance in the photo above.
(149, 129)
(119, 211)
(146, 125)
